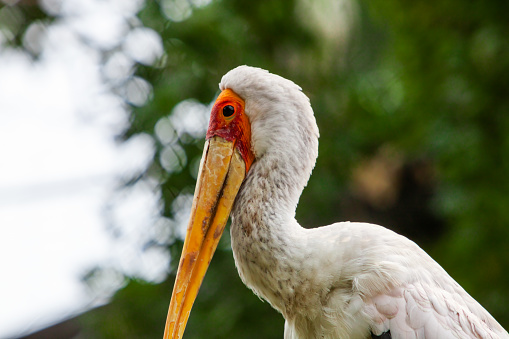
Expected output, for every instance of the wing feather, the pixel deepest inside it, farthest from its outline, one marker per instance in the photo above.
(423, 311)
(398, 287)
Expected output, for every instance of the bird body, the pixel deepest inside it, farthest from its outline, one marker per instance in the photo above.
(346, 280)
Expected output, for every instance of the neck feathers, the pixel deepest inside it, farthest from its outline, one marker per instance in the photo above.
(266, 238)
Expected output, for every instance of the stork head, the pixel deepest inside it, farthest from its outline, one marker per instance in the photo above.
(257, 114)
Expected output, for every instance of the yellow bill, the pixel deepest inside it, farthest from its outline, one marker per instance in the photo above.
(221, 173)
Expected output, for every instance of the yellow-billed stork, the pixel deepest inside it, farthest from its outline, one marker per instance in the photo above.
(346, 280)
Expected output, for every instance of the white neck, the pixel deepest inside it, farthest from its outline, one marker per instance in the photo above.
(266, 238)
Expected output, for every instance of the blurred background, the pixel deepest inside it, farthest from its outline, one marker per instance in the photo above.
(103, 112)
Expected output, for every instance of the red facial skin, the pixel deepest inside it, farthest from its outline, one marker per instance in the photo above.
(235, 128)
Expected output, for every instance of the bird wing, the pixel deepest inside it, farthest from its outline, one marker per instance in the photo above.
(405, 291)
(378, 279)
(422, 310)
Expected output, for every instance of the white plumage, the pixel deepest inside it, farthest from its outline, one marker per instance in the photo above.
(345, 280)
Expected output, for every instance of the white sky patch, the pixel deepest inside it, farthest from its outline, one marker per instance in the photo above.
(150, 49)
(60, 164)
(181, 208)
(190, 116)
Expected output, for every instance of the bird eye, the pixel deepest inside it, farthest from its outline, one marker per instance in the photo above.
(228, 111)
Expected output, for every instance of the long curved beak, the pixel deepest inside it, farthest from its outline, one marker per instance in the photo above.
(221, 173)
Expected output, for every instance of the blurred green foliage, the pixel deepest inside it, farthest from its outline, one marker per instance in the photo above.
(429, 78)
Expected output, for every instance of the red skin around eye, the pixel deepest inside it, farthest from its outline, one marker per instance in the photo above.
(235, 128)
